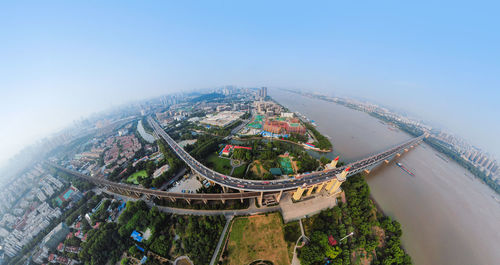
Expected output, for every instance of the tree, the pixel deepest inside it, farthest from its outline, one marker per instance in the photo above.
(324, 160)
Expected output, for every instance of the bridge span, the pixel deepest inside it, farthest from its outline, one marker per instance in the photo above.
(328, 180)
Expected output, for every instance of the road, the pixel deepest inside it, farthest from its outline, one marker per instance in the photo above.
(304, 180)
(221, 240)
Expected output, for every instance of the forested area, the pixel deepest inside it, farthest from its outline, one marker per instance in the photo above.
(376, 237)
(322, 142)
(171, 236)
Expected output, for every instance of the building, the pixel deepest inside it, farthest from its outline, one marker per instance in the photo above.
(58, 234)
(263, 92)
(280, 127)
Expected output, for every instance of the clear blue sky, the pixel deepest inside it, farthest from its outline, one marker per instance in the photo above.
(62, 60)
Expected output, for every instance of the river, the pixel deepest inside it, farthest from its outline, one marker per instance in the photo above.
(447, 216)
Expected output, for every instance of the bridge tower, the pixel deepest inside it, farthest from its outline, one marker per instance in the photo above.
(339, 180)
(333, 164)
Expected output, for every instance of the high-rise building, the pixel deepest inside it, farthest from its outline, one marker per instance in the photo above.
(263, 92)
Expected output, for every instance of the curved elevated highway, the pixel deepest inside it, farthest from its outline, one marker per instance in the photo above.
(301, 181)
(330, 179)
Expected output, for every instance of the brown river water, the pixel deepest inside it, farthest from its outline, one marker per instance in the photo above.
(447, 216)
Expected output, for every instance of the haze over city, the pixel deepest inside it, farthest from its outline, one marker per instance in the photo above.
(249, 133)
(63, 61)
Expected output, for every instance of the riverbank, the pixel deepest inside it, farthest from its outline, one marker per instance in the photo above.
(432, 215)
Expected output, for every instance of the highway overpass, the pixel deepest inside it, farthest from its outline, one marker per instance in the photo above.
(329, 180)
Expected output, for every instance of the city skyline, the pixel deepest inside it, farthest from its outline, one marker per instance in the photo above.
(59, 66)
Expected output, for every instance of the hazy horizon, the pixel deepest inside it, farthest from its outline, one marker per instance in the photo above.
(64, 61)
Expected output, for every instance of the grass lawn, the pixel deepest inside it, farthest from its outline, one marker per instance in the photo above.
(292, 233)
(239, 172)
(220, 165)
(133, 178)
(257, 237)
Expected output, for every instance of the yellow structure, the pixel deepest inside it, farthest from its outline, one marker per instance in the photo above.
(338, 181)
(310, 190)
(298, 193)
(330, 184)
(320, 187)
(336, 186)
(333, 164)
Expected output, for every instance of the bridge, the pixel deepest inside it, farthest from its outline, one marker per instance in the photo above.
(329, 179)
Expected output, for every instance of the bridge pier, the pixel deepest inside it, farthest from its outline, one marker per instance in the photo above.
(278, 198)
(224, 189)
(386, 161)
(398, 154)
(205, 201)
(329, 184)
(367, 171)
(298, 193)
(320, 187)
(310, 190)
(172, 199)
(339, 180)
(241, 199)
(260, 198)
(188, 201)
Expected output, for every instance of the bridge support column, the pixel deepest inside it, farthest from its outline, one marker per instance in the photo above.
(223, 201)
(367, 171)
(310, 190)
(188, 201)
(386, 161)
(278, 198)
(297, 194)
(320, 187)
(338, 181)
(398, 154)
(172, 199)
(330, 184)
(335, 187)
(224, 189)
(260, 198)
(241, 199)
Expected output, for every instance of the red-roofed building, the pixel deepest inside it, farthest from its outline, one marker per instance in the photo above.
(78, 225)
(52, 258)
(69, 235)
(332, 240)
(84, 238)
(242, 147)
(60, 247)
(62, 260)
(227, 150)
(96, 225)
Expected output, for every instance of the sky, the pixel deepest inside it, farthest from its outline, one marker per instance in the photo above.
(63, 60)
